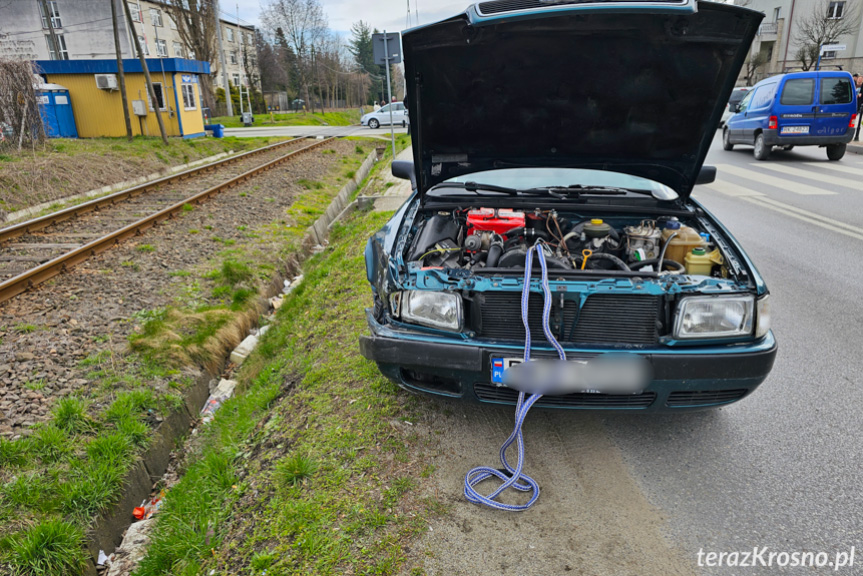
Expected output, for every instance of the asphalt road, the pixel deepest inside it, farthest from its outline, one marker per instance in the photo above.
(311, 131)
(636, 494)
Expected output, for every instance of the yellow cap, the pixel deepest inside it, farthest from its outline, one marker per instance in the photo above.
(596, 221)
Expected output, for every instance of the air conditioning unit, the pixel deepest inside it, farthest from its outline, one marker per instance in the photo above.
(106, 81)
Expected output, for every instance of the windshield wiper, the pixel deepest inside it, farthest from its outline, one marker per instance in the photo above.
(576, 190)
(477, 187)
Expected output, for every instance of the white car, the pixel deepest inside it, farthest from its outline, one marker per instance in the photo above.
(377, 119)
(735, 98)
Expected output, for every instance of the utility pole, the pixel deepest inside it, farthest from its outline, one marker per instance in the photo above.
(120, 73)
(147, 77)
(225, 84)
(49, 18)
(242, 62)
(317, 80)
(390, 94)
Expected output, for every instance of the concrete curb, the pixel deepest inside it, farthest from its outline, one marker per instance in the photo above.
(32, 210)
(107, 533)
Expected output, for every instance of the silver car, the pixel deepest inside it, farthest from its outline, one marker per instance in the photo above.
(377, 119)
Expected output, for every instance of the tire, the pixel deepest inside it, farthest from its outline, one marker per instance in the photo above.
(761, 150)
(726, 140)
(404, 124)
(374, 124)
(836, 151)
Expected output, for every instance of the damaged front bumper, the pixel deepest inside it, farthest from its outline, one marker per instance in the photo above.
(683, 379)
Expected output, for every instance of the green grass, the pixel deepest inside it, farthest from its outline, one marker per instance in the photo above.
(148, 247)
(334, 118)
(319, 492)
(52, 547)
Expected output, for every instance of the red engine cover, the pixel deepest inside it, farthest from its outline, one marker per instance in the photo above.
(499, 221)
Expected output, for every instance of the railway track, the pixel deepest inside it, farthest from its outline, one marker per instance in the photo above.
(39, 249)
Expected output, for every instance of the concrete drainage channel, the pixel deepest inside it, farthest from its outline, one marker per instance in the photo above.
(202, 401)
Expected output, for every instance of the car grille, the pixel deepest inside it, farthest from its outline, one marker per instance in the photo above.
(703, 397)
(491, 393)
(604, 318)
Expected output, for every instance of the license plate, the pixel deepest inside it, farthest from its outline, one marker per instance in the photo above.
(498, 365)
(608, 373)
(795, 130)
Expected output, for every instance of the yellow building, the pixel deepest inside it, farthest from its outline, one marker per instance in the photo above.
(94, 92)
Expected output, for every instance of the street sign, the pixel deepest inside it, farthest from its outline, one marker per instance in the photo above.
(832, 48)
(389, 52)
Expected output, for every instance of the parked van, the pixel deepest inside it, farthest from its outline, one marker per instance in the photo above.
(796, 109)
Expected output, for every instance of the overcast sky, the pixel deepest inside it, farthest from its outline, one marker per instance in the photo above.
(381, 14)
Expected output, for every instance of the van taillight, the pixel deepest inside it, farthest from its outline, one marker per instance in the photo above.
(853, 121)
(772, 123)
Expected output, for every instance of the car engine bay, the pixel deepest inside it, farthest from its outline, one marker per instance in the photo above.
(486, 239)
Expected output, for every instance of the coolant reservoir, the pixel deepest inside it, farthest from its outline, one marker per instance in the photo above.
(681, 245)
(698, 262)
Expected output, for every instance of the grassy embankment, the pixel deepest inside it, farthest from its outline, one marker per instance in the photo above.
(55, 482)
(64, 167)
(332, 118)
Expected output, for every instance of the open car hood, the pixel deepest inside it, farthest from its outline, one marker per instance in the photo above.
(631, 87)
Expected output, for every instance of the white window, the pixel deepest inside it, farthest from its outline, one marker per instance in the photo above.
(144, 47)
(233, 54)
(61, 41)
(136, 12)
(178, 50)
(777, 13)
(835, 10)
(828, 54)
(162, 48)
(230, 34)
(160, 96)
(236, 79)
(188, 96)
(55, 15)
(156, 17)
(191, 55)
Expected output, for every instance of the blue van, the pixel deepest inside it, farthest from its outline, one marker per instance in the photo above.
(796, 109)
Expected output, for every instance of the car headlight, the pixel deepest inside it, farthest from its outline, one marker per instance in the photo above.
(762, 317)
(714, 317)
(433, 309)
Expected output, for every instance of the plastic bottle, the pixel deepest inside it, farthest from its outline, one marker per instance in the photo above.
(680, 245)
(699, 262)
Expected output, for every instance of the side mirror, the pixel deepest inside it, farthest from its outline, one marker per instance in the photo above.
(706, 175)
(404, 169)
(734, 108)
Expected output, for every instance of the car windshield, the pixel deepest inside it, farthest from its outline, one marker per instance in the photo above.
(737, 96)
(527, 178)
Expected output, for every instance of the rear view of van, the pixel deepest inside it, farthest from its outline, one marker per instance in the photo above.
(797, 109)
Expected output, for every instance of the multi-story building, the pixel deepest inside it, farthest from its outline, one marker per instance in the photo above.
(778, 36)
(84, 31)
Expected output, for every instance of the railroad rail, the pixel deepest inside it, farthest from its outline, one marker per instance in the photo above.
(56, 265)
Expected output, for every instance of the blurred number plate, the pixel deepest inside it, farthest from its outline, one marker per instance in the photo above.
(795, 130)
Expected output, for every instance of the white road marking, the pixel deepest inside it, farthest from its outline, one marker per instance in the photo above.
(806, 216)
(733, 190)
(825, 178)
(837, 167)
(789, 185)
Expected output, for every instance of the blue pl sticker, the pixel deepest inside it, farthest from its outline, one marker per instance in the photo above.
(497, 370)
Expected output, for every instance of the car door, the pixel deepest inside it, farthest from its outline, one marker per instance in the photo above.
(736, 122)
(796, 106)
(835, 104)
(383, 115)
(758, 111)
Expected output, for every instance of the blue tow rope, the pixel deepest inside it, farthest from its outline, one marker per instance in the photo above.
(516, 478)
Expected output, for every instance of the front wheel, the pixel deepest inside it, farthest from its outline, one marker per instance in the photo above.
(762, 151)
(374, 124)
(726, 140)
(836, 151)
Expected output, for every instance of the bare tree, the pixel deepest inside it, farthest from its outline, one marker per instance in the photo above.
(197, 23)
(753, 63)
(305, 26)
(824, 25)
(19, 111)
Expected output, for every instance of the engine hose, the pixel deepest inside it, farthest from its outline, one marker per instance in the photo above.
(650, 262)
(664, 248)
(494, 252)
(602, 256)
(527, 233)
(516, 478)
